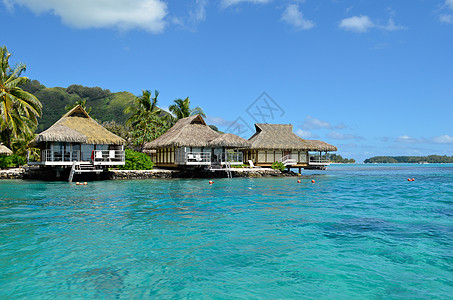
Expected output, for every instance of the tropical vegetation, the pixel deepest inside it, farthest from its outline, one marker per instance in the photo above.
(137, 119)
(19, 109)
(278, 166)
(336, 158)
(181, 109)
(410, 159)
(136, 161)
(12, 161)
(82, 103)
(105, 106)
(147, 121)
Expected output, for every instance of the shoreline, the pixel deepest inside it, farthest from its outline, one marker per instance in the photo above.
(43, 175)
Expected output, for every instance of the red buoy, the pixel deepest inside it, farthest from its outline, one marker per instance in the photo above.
(312, 181)
(298, 181)
(211, 182)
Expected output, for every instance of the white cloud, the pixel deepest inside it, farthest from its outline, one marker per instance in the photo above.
(227, 3)
(449, 3)
(198, 14)
(121, 14)
(443, 139)
(305, 134)
(340, 136)
(406, 139)
(447, 19)
(357, 24)
(364, 23)
(293, 16)
(218, 121)
(391, 26)
(311, 123)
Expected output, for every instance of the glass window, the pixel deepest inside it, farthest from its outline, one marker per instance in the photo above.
(86, 151)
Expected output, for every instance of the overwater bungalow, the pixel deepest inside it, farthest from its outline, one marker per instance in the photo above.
(278, 142)
(78, 142)
(190, 143)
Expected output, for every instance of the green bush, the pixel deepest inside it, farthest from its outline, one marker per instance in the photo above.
(240, 166)
(278, 166)
(12, 161)
(136, 161)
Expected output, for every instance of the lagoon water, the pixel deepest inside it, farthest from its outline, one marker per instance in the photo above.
(361, 231)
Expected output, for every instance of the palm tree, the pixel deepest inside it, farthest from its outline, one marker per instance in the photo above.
(18, 109)
(145, 107)
(147, 120)
(181, 109)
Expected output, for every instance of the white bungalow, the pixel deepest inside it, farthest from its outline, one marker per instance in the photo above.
(79, 142)
(192, 143)
(278, 142)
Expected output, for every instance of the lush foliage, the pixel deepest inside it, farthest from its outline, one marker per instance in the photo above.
(11, 161)
(240, 166)
(117, 128)
(105, 105)
(181, 109)
(278, 166)
(410, 159)
(136, 119)
(136, 161)
(336, 158)
(147, 121)
(82, 103)
(19, 109)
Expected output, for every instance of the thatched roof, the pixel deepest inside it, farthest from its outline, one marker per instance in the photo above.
(77, 126)
(282, 137)
(193, 132)
(229, 140)
(277, 136)
(316, 145)
(5, 150)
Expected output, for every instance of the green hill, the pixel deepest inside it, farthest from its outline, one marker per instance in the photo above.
(106, 106)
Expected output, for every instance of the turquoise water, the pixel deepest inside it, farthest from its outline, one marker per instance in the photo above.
(360, 231)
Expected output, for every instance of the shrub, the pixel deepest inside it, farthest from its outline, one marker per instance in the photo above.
(278, 166)
(136, 161)
(240, 166)
(12, 161)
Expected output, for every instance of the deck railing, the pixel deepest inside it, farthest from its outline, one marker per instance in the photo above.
(318, 160)
(232, 157)
(108, 156)
(194, 158)
(48, 155)
(56, 156)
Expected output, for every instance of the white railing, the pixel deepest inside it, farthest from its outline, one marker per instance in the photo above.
(318, 160)
(56, 156)
(194, 158)
(288, 160)
(231, 157)
(96, 156)
(108, 156)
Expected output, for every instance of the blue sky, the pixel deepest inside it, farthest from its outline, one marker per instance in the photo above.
(371, 77)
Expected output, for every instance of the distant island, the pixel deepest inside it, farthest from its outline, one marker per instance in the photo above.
(432, 159)
(336, 158)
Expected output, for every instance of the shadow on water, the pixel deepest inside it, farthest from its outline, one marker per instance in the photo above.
(106, 282)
